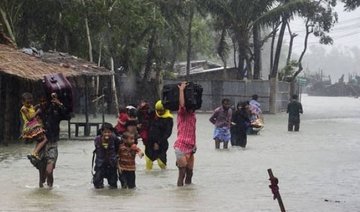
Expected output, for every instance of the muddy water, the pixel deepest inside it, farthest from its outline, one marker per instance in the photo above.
(318, 169)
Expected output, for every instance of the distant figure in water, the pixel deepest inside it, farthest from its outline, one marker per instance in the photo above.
(254, 106)
(240, 122)
(221, 118)
(294, 109)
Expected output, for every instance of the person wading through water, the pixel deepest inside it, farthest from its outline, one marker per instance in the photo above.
(185, 144)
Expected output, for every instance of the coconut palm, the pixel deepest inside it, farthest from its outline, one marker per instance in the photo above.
(235, 19)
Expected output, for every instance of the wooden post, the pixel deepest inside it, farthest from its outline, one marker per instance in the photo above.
(87, 127)
(2, 108)
(275, 190)
(9, 113)
(273, 95)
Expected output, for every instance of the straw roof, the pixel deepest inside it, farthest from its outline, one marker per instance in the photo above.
(15, 62)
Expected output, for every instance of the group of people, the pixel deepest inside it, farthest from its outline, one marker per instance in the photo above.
(116, 147)
(233, 125)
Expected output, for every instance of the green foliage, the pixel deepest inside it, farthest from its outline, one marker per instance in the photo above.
(288, 71)
(351, 4)
(139, 32)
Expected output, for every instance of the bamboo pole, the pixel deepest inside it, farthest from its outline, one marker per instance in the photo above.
(275, 190)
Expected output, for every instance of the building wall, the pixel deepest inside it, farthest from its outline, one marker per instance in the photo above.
(240, 90)
(213, 74)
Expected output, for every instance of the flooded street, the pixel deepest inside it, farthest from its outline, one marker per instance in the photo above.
(318, 170)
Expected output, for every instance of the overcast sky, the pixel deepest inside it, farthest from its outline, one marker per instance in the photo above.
(346, 35)
(346, 32)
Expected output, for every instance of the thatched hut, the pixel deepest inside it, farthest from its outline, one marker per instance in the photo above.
(23, 72)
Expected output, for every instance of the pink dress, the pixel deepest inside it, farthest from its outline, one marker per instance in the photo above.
(186, 125)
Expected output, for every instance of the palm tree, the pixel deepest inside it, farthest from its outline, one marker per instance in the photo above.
(236, 18)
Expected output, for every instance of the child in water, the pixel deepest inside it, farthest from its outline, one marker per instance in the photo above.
(32, 126)
(106, 157)
(127, 153)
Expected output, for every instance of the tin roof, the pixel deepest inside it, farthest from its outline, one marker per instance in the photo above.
(16, 62)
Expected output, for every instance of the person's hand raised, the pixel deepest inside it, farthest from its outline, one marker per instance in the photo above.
(182, 85)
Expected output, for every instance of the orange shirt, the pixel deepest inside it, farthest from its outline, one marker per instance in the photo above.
(127, 156)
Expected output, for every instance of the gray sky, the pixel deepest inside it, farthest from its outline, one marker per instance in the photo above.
(346, 32)
(346, 35)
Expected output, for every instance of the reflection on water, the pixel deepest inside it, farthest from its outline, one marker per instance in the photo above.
(319, 162)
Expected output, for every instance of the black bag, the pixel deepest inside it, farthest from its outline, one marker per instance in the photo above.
(192, 92)
(57, 83)
(193, 96)
(170, 97)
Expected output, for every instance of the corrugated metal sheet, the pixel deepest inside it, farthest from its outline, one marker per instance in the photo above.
(15, 62)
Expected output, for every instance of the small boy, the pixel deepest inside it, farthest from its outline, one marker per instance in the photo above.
(126, 166)
(106, 157)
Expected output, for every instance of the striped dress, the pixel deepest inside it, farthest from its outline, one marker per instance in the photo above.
(186, 125)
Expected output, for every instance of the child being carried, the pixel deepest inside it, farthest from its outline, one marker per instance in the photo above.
(32, 127)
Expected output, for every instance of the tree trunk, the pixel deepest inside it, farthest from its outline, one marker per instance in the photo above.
(158, 79)
(173, 57)
(2, 106)
(9, 113)
(288, 59)
(249, 74)
(87, 32)
(234, 55)
(257, 52)
(300, 67)
(149, 57)
(274, 70)
(113, 85)
(222, 52)
(272, 97)
(272, 49)
(241, 40)
(189, 43)
(99, 64)
(292, 37)
(241, 62)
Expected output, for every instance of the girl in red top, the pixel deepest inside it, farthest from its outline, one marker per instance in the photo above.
(121, 121)
(185, 144)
